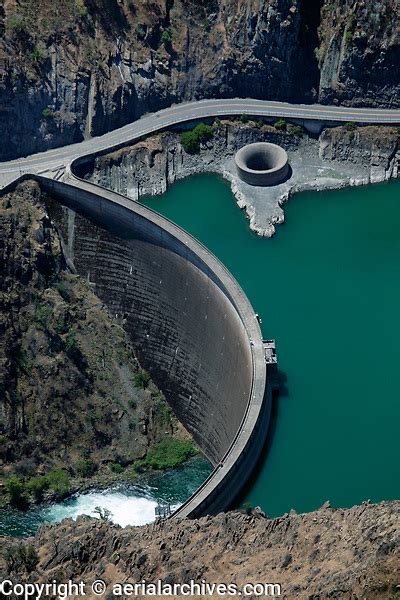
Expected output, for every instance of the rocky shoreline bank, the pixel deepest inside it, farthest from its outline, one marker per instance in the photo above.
(338, 157)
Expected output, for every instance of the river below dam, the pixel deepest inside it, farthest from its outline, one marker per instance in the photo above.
(327, 288)
(129, 504)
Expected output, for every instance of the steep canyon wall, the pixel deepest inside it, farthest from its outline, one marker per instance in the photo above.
(75, 69)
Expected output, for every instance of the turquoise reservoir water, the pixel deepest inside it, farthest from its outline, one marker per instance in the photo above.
(327, 287)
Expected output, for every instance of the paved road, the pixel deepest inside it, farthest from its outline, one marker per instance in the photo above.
(53, 162)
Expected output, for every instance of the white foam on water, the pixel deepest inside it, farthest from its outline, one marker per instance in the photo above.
(125, 510)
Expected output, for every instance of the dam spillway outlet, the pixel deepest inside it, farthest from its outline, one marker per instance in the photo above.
(262, 164)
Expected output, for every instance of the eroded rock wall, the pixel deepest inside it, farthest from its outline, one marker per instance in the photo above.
(80, 68)
(358, 53)
(150, 166)
(344, 554)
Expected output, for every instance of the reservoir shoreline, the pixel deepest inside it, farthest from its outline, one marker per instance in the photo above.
(339, 157)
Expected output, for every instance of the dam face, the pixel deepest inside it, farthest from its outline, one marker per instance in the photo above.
(183, 326)
(191, 325)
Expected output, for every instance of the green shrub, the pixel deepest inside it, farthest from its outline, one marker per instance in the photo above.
(141, 379)
(42, 314)
(23, 360)
(244, 118)
(36, 486)
(246, 508)
(38, 55)
(351, 27)
(93, 416)
(132, 403)
(71, 345)
(352, 21)
(58, 481)
(116, 468)
(348, 37)
(280, 124)
(162, 409)
(191, 140)
(203, 132)
(21, 557)
(16, 25)
(63, 290)
(169, 453)
(61, 326)
(206, 25)
(86, 467)
(297, 130)
(350, 126)
(28, 556)
(81, 8)
(48, 113)
(166, 37)
(140, 32)
(16, 491)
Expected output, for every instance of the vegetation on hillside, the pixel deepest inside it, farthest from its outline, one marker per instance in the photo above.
(168, 453)
(191, 140)
(73, 397)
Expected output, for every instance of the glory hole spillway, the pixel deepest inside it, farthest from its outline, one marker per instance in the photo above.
(189, 321)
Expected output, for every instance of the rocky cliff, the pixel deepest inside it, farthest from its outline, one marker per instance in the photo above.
(337, 554)
(358, 53)
(81, 67)
(72, 394)
(150, 166)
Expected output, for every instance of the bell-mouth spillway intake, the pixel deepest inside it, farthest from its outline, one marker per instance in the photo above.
(262, 164)
(153, 237)
(188, 319)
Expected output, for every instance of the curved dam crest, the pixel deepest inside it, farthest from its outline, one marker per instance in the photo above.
(189, 322)
(181, 323)
(231, 433)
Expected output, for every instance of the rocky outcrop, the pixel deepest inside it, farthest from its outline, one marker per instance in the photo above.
(358, 53)
(377, 149)
(345, 554)
(87, 66)
(71, 390)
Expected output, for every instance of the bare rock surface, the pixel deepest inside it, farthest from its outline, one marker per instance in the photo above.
(73, 69)
(351, 554)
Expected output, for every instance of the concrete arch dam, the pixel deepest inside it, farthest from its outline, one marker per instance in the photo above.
(189, 321)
